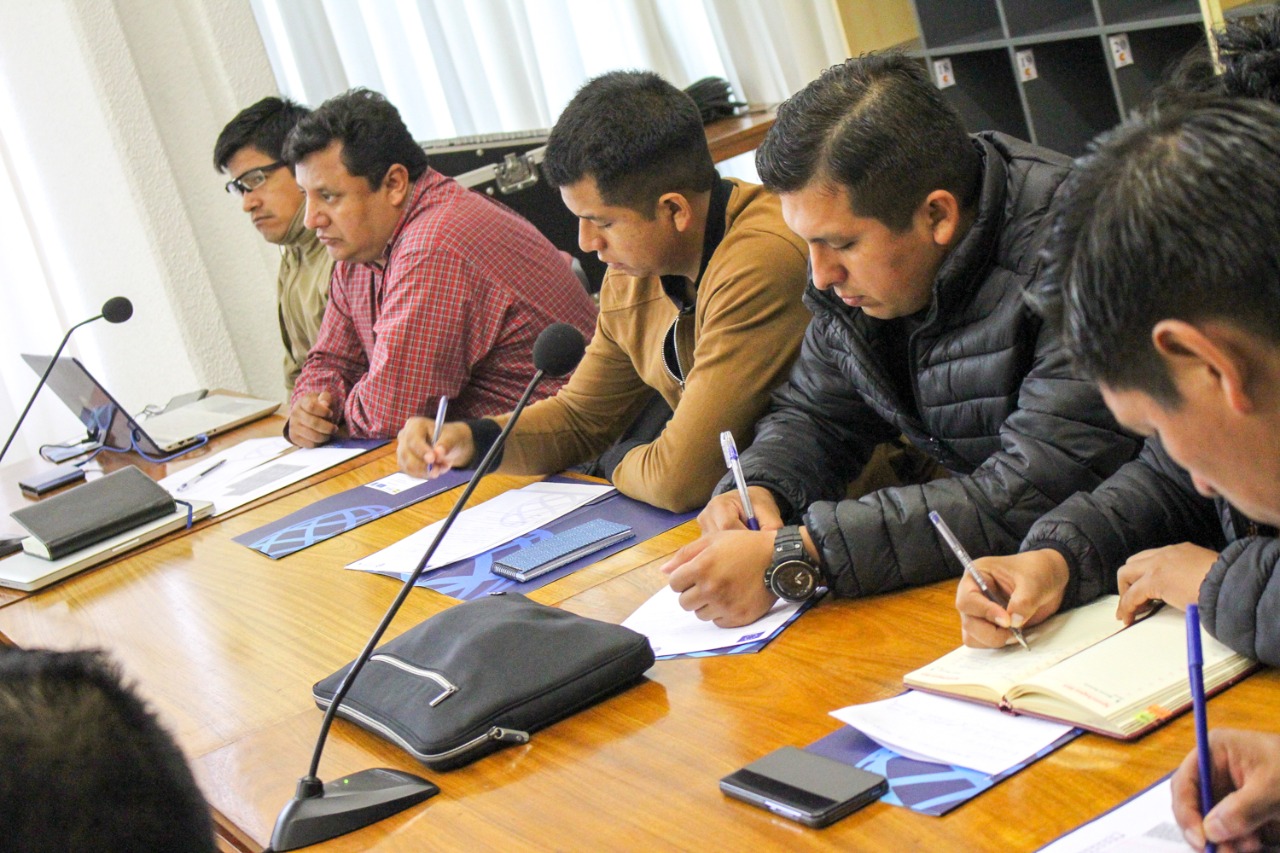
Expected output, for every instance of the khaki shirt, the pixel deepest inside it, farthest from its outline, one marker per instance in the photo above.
(302, 291)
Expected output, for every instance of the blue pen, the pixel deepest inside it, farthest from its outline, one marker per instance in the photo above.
(435, 434)
(1195, 674)
(731, 460)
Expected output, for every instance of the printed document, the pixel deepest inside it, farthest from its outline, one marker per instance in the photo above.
(672, 630)
(252, 469)
(951, 731)
(485, 526)
(1144, 824)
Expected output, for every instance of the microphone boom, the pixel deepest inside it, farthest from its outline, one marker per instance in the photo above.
(117, 309)
(319, 811)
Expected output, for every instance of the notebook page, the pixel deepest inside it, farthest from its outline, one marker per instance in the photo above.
(1140, 673)
(997, 670)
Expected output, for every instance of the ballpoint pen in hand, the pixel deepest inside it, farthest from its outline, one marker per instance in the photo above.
(963, 556)
(731, 460)
(1195, 676)
(441, 409)
(198, 477)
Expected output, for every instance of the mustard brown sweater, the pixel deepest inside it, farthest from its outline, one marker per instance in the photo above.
(736, 340)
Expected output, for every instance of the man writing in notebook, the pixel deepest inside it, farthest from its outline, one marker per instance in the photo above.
(1146, 532)
(437, 290)
(1166, 282)
(250, 151)
(701, 302)
(922, 240)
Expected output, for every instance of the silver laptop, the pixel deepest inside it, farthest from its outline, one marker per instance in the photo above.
(109, 423)
(29, 572)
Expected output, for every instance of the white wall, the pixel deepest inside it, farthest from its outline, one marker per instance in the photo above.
(118, 104)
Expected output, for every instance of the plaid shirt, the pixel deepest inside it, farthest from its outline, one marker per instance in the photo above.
(465, 287)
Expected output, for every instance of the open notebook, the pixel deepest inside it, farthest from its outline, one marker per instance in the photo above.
(108, 422)
(1086, 669)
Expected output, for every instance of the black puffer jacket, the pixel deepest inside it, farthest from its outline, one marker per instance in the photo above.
(995, 402)
(1151, 503)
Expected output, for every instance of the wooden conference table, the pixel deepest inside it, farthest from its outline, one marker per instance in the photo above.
(226, 645)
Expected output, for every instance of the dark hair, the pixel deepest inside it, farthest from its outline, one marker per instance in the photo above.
(86, 765)
(1172, 215)
(1193, 75)
(263, 125)
(877, 126)
(1249, 50)
(373, 136)
(636, 135)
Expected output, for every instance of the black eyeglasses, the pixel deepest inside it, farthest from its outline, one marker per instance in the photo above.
(252, 179)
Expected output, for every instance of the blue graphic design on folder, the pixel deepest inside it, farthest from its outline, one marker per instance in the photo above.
(473, 578)
(921, 786)
(339, 513)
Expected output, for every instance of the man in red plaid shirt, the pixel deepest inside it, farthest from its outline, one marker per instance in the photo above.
(437, 290)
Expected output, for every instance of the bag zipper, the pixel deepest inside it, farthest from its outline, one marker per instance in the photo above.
(446, 685)
(494, 733)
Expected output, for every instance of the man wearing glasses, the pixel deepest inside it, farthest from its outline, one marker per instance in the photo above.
(249, 151)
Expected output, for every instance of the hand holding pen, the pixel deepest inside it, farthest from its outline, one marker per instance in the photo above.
(965, 560)
(731, 461)
(441, 409)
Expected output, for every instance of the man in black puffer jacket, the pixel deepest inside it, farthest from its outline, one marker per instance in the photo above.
(1165, 278)
(922, 242)
(1155, 531)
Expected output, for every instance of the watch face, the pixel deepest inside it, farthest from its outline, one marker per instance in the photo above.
(793, 581)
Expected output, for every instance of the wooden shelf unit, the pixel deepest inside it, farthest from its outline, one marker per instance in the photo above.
(1076, 91)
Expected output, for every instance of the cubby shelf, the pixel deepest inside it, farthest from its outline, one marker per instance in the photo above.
(1057, 72)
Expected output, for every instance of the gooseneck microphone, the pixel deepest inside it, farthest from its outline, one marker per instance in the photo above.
(117, 309)
(319, 811)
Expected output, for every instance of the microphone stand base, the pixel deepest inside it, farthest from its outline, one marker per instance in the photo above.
(347, 804)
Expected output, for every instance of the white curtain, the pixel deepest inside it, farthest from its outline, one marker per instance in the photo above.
(464, 67)
(35, 313)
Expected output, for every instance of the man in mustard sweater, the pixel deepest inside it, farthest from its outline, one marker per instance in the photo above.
(701, 303)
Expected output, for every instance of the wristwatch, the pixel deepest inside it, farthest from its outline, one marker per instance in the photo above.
(792, 576)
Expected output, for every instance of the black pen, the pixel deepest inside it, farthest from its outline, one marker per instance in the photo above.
(963, 556)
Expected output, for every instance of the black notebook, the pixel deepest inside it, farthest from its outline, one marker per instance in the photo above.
(92, 512)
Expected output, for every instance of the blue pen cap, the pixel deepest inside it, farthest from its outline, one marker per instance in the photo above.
(729, 448)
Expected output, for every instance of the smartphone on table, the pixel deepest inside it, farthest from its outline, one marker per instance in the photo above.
(802, 786)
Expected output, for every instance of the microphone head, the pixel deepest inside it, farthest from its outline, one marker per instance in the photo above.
(558, 349)
(117, 309)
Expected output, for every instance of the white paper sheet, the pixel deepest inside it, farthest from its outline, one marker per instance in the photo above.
(1145, 824)
(951, 731)
(672, 630)
(252, 468)
(485, 526)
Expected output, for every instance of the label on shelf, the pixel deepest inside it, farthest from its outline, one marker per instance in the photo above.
(1120, 53)
(1026, 65)
(942, 73)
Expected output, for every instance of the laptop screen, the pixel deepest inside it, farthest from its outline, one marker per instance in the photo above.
(104, 418)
